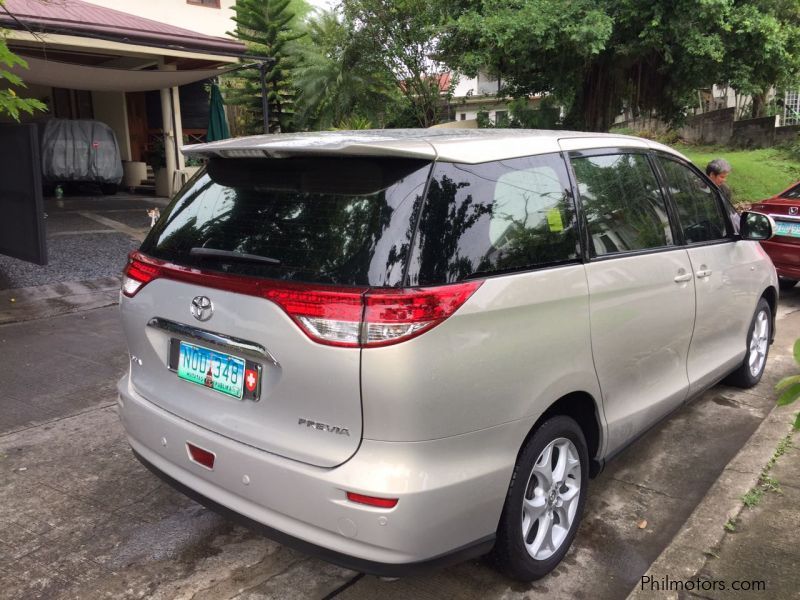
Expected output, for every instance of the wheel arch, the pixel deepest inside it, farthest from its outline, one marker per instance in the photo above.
(585, 411)
(771, 296)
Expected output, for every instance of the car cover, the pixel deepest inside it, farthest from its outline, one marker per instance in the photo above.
(80, 150)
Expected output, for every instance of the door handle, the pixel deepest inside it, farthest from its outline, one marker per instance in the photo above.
(703, 273)
(683, 278)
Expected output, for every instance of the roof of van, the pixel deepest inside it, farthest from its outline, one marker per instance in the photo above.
(450, 145)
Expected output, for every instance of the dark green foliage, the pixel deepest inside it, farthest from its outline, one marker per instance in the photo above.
(340, 85)
(10, 103)
(598, 57)
(269, 28)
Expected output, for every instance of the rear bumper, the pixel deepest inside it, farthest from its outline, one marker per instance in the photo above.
(785, 256)
(451, 491)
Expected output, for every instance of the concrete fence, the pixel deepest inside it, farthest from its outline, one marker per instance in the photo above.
(719, 127)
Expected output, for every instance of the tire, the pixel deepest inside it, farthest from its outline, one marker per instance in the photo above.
(524, 550)
(759, 335)
(109, 189)
(786, 284)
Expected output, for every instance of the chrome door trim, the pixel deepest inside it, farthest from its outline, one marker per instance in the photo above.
(218, 340)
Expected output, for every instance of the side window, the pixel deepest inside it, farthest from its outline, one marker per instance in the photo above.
(498, 216)
(699, 210)
(623, 204)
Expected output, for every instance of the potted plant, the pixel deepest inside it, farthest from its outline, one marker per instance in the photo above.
(157, 159)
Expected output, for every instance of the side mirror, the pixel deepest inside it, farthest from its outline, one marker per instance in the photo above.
(756, 226)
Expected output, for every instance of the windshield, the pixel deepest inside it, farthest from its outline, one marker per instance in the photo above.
(322, 220)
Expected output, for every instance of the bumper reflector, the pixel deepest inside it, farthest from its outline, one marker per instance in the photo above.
(372, 500)
(200, 456)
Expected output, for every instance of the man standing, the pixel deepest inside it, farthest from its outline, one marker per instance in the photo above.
(717, 171)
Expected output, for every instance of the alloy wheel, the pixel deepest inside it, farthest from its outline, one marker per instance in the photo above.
(759, 342)
(551, 498)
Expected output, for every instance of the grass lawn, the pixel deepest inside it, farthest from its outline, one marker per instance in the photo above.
(756, 174)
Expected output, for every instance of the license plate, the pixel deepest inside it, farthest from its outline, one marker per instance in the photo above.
(221, 372)
(787, 228)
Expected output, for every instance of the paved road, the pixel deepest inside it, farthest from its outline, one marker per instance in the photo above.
(80, 518)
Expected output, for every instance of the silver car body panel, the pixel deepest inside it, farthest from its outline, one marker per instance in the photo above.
(451, 145)
(518, 344)
(729, 279)
(449, 495)
(640, 360)
(300, 379)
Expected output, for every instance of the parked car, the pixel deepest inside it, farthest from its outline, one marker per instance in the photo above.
(80, 151)
(398, 349)
(784, 248)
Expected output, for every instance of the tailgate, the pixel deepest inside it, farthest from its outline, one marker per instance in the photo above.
(309, 404)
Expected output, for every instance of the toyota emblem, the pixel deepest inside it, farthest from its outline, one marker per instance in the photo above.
(202, 308)
(792, 210)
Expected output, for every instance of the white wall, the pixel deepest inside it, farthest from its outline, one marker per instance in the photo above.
(203, 19)
(110, 108)
(482, 85)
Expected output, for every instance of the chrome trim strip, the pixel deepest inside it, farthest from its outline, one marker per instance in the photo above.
(784, 217)
(219, 340)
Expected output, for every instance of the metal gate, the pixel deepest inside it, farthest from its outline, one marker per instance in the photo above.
(22, 231)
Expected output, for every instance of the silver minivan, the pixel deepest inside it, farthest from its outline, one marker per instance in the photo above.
(398, 349)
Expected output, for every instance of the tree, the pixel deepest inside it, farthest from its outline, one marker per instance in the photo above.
(10, 103)
(595, 56)
(762, 46)
(268, 28)
(403, 36)
(338, 84)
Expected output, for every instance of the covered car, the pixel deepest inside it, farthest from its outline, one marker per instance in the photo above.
(80, 151)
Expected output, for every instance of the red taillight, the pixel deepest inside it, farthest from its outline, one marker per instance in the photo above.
(337, 316)
(372, 500)
(200, 456)
(137, 273)
(391, 316)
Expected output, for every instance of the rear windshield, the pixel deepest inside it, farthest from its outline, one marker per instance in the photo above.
(793, 193)
(321, 220)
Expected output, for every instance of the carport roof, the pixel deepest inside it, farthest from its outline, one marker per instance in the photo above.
(79, 18)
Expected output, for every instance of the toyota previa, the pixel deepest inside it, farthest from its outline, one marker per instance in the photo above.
(398, 349)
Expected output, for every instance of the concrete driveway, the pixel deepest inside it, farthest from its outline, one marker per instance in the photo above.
(80, 518)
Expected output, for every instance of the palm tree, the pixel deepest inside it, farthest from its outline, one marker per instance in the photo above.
(337, 83)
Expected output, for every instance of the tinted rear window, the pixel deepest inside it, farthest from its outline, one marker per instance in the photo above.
(494, 217)
(793, 193)
(338, 221)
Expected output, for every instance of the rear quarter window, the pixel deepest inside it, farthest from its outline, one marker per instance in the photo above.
(494, 217)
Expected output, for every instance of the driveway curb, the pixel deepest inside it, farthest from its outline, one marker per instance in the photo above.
(703, 531)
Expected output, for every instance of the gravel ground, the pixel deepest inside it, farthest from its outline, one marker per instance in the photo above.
(71, 258)
(74, 252)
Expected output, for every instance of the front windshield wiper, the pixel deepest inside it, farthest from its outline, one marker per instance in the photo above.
(232, 254)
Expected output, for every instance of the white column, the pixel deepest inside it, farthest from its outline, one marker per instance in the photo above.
(176, 111)
(169, 137)
(169, 132)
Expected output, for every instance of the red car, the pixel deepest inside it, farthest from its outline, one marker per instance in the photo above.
(784, 248)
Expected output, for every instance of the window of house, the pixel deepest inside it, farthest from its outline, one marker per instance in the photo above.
(622, 201)
(463, 116)
(501, 118)
(699, 211)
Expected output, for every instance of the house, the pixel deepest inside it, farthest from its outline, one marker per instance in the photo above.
(128, 66)
(481, 95)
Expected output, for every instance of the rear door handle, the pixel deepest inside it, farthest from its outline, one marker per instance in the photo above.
(703, 273)
(683, 278)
